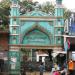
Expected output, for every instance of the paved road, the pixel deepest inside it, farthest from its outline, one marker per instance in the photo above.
(29, 73)
(37, 73)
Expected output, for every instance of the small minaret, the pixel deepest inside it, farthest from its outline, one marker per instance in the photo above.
(59, 23)
(14, 22)
(14, 8)
(14, 52)
(59, 2)
(59, 8)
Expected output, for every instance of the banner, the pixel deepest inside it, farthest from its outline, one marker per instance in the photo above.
(67, 45)
(71, 24)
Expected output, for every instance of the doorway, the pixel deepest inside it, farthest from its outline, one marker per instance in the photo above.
(32, 58)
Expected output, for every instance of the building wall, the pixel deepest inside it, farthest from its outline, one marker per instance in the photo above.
(3, 41)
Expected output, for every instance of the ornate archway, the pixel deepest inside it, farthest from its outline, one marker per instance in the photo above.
(36, 35)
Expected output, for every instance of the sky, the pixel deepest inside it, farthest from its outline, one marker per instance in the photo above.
(70, 4)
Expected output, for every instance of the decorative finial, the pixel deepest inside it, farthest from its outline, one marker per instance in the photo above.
(59, 1)
(37, 6)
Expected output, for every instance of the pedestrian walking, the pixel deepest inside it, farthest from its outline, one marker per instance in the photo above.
(41, 68)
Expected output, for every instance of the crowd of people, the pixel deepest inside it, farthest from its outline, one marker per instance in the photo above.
(65, 69)
(56, 70)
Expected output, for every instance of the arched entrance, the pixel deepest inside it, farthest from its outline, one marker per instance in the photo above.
(36, 37)
(32, 57)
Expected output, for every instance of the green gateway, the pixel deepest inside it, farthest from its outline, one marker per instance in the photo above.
(33, 30)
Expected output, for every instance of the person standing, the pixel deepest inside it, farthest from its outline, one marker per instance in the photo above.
(70, 66)
(56, 66)
(41, 68)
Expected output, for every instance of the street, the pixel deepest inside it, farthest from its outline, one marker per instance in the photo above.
(37, 73)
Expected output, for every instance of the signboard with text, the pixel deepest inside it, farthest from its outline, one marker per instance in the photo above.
(36, 38)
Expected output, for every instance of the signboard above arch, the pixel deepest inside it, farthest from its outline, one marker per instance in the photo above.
(36, 37)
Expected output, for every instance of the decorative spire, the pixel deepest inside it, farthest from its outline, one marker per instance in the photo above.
(58, 2)
(36, 7)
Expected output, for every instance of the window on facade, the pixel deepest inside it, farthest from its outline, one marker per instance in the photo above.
(59, 40)
(14, 21)
(59, 22)
(14, 30)
(59, 32)
(14, 40)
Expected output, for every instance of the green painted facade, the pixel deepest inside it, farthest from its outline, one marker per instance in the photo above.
(14, 62)
(34, 28)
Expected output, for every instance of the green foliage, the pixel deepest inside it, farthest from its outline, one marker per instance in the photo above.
(2, 27)
(67, 13)
(4, 11)
(48, 7)
(26, 6)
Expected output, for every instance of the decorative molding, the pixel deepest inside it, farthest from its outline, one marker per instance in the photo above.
(57, 26)
(68, 36)
(36, 18)
(38, 47)
(60, 35)
(14, 34)
(14, 49)
(14, 25)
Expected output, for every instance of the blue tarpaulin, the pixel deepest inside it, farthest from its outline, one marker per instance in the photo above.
(72, 27)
